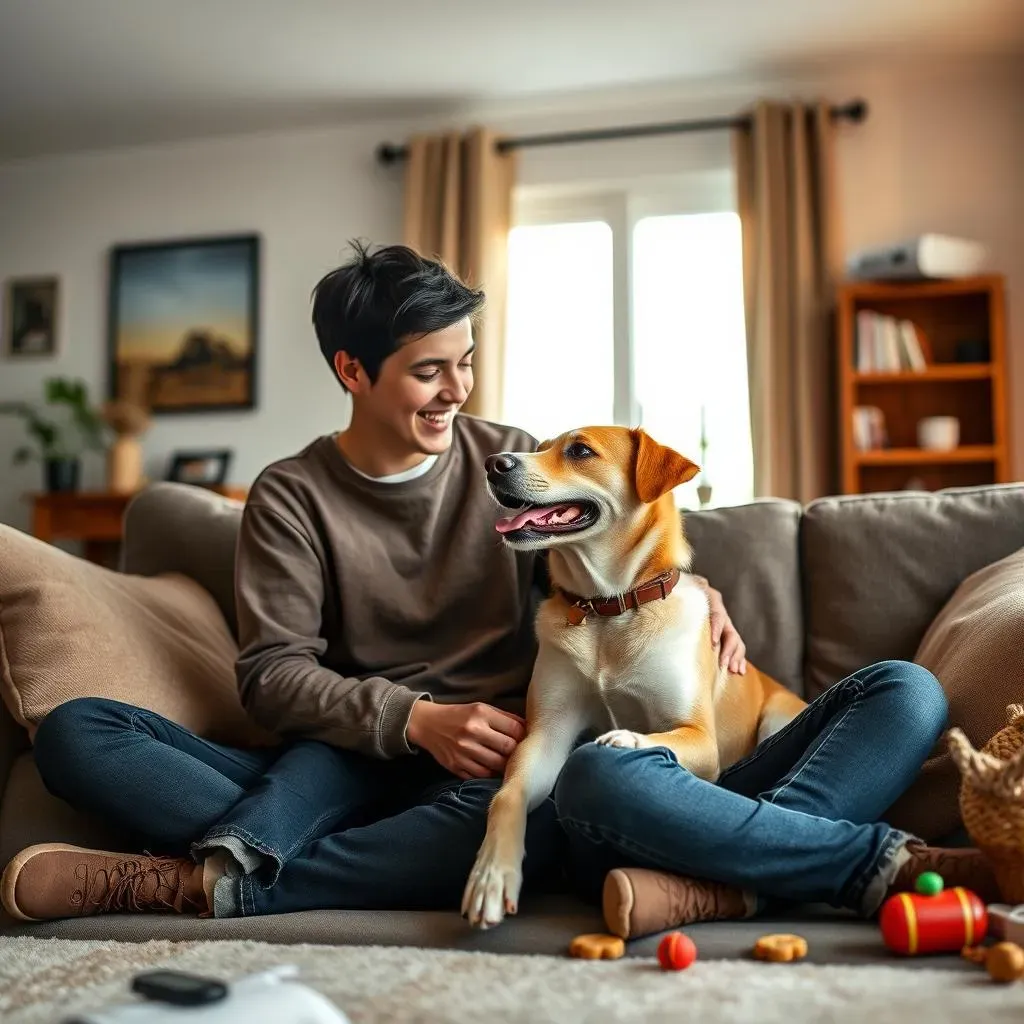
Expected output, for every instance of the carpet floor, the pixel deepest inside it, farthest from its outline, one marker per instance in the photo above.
(43, 981)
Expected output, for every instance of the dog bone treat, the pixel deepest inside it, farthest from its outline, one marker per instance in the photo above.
(676, 952)
(780, 948)
(597, 947)
(1005, 962)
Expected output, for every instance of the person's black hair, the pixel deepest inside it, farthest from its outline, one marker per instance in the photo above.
(370, 305)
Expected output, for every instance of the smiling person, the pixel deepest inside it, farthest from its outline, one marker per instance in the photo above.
(386, 635)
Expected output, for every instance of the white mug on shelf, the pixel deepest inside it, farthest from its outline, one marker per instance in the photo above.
(938, 433)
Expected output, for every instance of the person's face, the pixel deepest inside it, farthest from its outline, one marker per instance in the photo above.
(419, 389)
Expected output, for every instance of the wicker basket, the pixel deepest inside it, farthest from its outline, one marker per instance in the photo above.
(992, 799)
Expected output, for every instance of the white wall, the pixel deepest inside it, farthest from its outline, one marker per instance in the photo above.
(941, 150)
(305, 193)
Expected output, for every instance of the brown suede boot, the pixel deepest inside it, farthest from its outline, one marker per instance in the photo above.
(958, 866)
(53, 880)
(637, 901)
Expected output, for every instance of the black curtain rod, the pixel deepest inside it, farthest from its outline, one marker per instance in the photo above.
(855, 111)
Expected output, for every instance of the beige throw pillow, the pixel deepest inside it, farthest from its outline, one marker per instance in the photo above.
(975, 648)
(69, 628)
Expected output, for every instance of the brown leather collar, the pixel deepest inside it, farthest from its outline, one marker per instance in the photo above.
(653, 590)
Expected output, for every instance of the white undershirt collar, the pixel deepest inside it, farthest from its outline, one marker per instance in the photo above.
(406, 474)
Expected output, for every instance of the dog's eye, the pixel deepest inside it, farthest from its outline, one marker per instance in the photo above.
(578, 450)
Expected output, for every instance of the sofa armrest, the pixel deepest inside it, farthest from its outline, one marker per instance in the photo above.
(13, 742)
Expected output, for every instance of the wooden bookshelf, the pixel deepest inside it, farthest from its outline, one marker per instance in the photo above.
(949, 313)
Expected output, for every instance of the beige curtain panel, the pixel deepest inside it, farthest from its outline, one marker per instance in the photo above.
(786, 201)
(458, 207)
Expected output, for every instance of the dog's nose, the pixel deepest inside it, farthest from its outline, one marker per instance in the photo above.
(498, 464)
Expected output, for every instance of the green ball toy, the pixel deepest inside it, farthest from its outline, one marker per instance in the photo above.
(929, 883)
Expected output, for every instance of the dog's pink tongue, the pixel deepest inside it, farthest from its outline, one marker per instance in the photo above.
(532, 515)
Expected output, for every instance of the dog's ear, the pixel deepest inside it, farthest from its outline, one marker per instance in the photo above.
(658, 469)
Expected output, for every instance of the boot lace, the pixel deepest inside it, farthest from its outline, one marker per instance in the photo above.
(132, 884)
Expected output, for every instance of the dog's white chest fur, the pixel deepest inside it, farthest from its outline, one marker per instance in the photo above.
(638, 670)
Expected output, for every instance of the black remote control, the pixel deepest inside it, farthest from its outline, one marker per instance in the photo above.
(178, 987)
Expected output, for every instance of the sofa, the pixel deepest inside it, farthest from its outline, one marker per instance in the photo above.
(815, 590)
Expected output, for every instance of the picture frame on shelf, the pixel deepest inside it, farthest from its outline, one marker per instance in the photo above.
(202, 468)
(31, 324)
(183, 333)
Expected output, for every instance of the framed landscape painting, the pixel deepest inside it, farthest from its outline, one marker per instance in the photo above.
(184, 324)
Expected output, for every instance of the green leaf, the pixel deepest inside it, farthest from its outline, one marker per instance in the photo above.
(59, 390)
(45, 433)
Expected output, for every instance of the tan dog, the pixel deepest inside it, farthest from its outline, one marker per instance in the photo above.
(624, 644)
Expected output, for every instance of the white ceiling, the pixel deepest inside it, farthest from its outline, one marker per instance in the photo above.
(85, 73)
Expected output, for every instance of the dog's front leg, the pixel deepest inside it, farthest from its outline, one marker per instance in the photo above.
(497, 876)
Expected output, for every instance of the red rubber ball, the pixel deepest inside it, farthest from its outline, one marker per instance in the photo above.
(676, 952)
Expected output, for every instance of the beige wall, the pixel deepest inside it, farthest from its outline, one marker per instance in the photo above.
(942, 150)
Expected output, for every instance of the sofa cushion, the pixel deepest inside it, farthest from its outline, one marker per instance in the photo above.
(204, 527)
(877, 568)
(975, 648)
(70, 628)
(750, 553)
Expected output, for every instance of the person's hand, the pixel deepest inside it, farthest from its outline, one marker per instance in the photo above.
(733, 651)
(473, 741)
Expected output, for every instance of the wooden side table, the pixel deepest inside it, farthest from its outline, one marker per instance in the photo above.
(93, 517)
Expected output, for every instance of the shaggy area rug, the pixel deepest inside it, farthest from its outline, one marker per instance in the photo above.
(43, 981)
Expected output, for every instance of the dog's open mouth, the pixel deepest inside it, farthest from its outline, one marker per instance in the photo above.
(567, 517)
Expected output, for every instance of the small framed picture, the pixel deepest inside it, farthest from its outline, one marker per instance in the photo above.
(202, 468)
(32, 311)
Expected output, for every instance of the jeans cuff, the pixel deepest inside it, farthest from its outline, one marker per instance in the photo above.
(249, 855)
(893, 856)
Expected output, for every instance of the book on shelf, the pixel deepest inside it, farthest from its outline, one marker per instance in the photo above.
(869, 431)
(889, 345)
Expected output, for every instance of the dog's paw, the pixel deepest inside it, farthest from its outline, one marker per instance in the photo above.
(492, 890)
(623, 738)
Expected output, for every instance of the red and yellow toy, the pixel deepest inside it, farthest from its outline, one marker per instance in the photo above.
(912, 923)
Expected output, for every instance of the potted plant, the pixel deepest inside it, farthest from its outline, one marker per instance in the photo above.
(63, 429)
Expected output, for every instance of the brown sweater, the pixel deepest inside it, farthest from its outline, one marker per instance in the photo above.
(358, 597)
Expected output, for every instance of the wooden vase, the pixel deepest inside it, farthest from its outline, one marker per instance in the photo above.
(124, 466)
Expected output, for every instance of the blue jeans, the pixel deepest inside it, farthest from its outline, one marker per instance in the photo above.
(312, 826)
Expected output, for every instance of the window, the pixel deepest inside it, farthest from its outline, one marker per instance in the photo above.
(560, 327)
(627, 308)
(689, 346)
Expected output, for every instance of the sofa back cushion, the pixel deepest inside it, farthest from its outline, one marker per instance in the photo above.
(179, 528)
(877, 568)
(975, 648)
(70, 628)
(750, 553)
